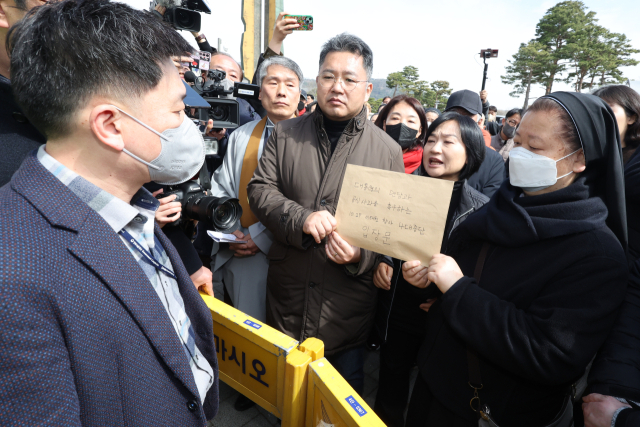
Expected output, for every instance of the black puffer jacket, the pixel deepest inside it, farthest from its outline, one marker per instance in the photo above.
(400, 305)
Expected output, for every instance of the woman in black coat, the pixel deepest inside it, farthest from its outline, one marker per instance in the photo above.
(553, 277)
(616, 370)
(453, 150)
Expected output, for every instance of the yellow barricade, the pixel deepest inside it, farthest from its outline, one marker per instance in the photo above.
(263, 364)
(331, 402)
(296, 374)
(251, 355)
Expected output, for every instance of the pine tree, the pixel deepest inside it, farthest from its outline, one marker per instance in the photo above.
(557, 30)
(408, 82)
(585, 53)
(396, 81)
(615, 52)
(441, 92)
(525, 68)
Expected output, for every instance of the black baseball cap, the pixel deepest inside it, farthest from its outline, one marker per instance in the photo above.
(303, 95)
(466, 99)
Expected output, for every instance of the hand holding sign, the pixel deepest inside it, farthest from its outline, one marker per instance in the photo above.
(442, 270)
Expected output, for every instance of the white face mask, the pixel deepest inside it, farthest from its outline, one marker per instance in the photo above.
(533, 172)
(181, 155)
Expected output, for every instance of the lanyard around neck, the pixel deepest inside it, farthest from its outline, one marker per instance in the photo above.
(147, 255)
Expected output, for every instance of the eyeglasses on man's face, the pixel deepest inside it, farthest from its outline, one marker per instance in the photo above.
(327, 80)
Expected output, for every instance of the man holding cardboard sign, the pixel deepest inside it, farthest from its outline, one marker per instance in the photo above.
(318, 285)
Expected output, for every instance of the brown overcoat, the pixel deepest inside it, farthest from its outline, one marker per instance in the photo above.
(308, 295)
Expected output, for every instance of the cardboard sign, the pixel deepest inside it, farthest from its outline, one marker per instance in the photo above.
(392, 213)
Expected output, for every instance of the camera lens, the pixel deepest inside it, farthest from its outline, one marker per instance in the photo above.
(219, 113)
(225, 215)
(220, 212)
(184, 18)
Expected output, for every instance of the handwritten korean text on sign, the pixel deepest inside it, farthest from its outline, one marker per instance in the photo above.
(392, 213)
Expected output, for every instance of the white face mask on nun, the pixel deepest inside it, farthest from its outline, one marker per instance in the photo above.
(533, 172)
(181, 156)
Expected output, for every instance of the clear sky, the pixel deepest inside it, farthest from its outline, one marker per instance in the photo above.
(443, 38)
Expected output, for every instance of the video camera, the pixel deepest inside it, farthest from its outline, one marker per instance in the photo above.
(220, 93)
(183, 14)
(220, 213)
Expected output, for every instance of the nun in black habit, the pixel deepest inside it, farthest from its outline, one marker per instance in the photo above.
(554, 274)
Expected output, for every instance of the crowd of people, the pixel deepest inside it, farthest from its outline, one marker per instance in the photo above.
(529, 316)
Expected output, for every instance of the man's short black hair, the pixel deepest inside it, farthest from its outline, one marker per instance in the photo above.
(311, 96)
(515, 111)
(349, 43)
(493, 108)
(69, 51)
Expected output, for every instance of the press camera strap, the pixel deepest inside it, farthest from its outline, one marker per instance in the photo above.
(146, 255)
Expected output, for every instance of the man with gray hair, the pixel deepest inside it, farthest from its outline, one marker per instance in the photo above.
(318, 284)
(242, 267)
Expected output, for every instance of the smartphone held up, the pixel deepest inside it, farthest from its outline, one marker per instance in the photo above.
(305, 21)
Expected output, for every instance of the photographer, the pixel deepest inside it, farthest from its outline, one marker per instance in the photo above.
(169, 212)
(223, 62)
(17, 135)
(100, 322)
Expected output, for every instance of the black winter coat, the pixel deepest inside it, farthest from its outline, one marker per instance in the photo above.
(628, 418)
(616, 370)
(632, 198)
(553, 281)
(400, 305)
(491, 174)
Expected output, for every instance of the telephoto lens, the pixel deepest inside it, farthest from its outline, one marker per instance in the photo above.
(220, 213)
(223, 213)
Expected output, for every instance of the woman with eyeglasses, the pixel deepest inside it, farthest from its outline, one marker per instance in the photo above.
(531, 284)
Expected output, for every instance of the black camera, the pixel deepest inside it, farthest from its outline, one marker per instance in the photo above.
(183, 14)
(220, 94)
(220, 213)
